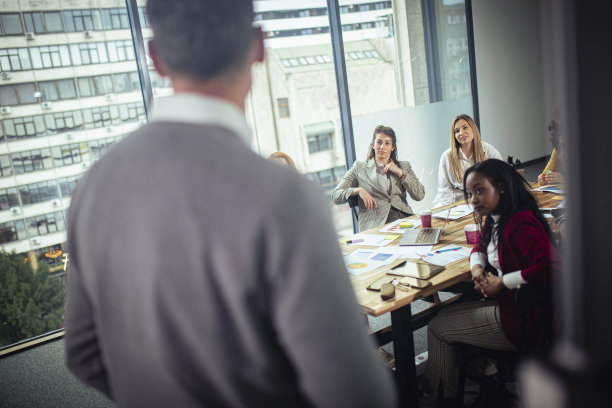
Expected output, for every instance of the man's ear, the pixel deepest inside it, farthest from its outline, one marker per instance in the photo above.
(259, 53)
(158, 63)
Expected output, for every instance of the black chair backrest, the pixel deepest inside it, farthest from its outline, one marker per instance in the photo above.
(354, 204)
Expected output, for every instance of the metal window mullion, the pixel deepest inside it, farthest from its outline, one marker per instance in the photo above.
(335, 26)
(472, 60)
(140, 54)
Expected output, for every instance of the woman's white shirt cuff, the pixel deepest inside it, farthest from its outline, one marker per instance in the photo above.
(512, 280)
(478, 258)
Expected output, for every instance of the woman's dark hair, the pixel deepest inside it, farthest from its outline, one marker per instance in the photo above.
(515, 198)
(385, 130)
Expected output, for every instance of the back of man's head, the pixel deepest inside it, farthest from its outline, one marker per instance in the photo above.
(202, 39)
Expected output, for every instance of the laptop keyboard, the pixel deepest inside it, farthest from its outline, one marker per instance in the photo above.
(426, 235)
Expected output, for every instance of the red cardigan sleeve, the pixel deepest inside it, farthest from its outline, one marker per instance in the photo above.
(527, 247)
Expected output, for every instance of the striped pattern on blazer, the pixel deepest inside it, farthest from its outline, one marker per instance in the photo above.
(363, 174)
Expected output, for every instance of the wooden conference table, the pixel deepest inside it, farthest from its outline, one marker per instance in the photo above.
(403, 322)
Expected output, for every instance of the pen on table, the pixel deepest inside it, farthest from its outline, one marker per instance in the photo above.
(354, 241)
(446, 250)
(399, 265)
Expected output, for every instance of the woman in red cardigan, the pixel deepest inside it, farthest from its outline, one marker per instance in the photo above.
(515, 249)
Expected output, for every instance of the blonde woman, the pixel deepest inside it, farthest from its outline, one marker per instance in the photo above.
(466, 149)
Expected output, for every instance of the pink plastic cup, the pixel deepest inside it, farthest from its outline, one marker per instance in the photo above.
(426, 219)
(471, 234)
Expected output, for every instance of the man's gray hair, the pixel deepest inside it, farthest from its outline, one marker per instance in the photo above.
(202, 39)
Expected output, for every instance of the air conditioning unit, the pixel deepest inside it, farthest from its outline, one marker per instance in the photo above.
(5, 110)
(46, 105)
(15, 210)
(5, 75)
(87, 34)
(109, 97)
(35, 241)
(55, 203)
(29, 36)
(109, 129)
(69, 136)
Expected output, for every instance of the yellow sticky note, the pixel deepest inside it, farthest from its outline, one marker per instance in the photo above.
(391, 237)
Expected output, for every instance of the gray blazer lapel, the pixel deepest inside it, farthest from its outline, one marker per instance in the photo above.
(370, 169)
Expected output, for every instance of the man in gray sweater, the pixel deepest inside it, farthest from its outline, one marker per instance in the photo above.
(200, 273)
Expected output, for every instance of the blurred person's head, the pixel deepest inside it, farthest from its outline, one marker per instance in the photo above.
(199, 41)
(384, 145)
(282, 158)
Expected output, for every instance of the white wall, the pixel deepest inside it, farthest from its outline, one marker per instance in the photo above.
(423, 133)
(510, 77)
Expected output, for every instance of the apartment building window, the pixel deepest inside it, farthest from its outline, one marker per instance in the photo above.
(17, 94)
(12, 231)
(319, 143)
(33, 160)
(5, 166)
(88, 53)
(29, 126)
(66, 155)
(144, 20)
(53, 56)
(100, 147)
(8, 198)
(283, 107)
(82, 20)
(67, 184)
(57, 90)
(131, 112)
(122, 50)
(45, 224)
(14, 59)
(10, 24)
(115, 19)
(126, 82)
(92, 86)
(38, 192)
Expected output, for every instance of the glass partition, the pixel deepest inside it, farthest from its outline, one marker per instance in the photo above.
(396, 89)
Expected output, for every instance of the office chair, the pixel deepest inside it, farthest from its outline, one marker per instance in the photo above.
(525, 296)
(353, 202)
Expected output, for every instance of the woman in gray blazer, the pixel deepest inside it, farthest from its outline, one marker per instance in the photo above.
(381, 182)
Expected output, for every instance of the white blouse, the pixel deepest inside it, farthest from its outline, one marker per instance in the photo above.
(511, 280)
(449, 189)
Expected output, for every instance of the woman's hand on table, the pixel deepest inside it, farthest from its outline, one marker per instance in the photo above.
(551, 178)
(367, 198)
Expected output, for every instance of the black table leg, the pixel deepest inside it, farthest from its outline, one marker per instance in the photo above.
(403, 348)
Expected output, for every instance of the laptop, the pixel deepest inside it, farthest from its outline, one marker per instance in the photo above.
(422, 236)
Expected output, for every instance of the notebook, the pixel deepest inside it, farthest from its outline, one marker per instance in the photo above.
(423, 236)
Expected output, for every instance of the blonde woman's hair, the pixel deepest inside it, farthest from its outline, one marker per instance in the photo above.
(282, 156)
(477, 149)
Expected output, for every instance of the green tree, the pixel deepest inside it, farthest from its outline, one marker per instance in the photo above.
(30, 303)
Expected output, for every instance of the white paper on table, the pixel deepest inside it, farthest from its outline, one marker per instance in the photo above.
(366, 260)
(372, 239)
(445, 258)
(414, 251)
(455, 212)
(394, 228)
(552, 188)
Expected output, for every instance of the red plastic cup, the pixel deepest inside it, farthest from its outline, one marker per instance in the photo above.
(426, 219)
(472, 235)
